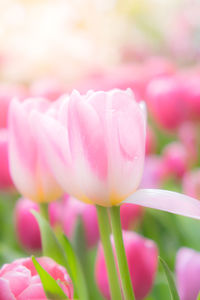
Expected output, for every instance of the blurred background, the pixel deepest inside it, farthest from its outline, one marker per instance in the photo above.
(50, 47)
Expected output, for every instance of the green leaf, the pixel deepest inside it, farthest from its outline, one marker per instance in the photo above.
(170, 279)
(52, 289)
(76, 269)
(198, 297)
(50, 244)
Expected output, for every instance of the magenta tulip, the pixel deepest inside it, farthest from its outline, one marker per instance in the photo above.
(20, 281)
(142, 261)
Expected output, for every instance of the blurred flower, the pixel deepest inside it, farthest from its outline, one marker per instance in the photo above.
(27, 228)
(187, 273)
(176, 159)
(165, 101)
(5, 178)
(28, 165)
(154, 172)
(19, 280)
(150, 140)
(96, 147)
(142, 261)
(188, 136)
(191, 184)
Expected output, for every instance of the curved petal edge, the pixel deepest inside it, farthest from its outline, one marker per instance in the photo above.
(167, 201)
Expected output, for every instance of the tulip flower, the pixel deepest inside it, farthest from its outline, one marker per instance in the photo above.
(191, 184)
(94, 145)
(28, 164)
(142, 262)
(165, 101)
(20, 281)
(187, 273)
(27, 228)
(5, 178)
(91, 150)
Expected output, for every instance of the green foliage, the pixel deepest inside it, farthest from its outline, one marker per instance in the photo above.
(52, 289)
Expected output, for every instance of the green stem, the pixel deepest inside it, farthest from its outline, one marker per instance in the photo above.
(120, 252)
(104, 228)
(44, 210)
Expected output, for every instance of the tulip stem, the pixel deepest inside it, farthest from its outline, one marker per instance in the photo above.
(121, 254)
(44, 211)
(104, 228)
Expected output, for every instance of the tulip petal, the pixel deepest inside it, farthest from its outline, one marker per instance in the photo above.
(167, 201)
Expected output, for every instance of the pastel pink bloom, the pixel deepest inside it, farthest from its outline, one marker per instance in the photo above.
(142, 261)
(191, 183)
(150, 141)
(5, 178)
(187, 273)
(176, 159)
(28, 164)
(96, 146)
(48, 88)
(71, 211)
(7, 93)
(27, 228)
(165, 98)
(20, 281)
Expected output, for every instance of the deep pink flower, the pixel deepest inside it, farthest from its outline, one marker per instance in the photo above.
(20, 281)
(142, 261)
(27, 228)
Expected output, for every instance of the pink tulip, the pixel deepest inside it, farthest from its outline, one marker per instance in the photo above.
(7, 93)
(28, 164)
(5, 178)
(20, 281)
(191, 184)
(176, 159)
(165, 98)
(96, 147)
(192, 96)
(187, 273)
(142, 261)
(27, 228)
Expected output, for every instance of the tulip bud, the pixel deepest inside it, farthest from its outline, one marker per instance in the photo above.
(142, 261)
(27, 228)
